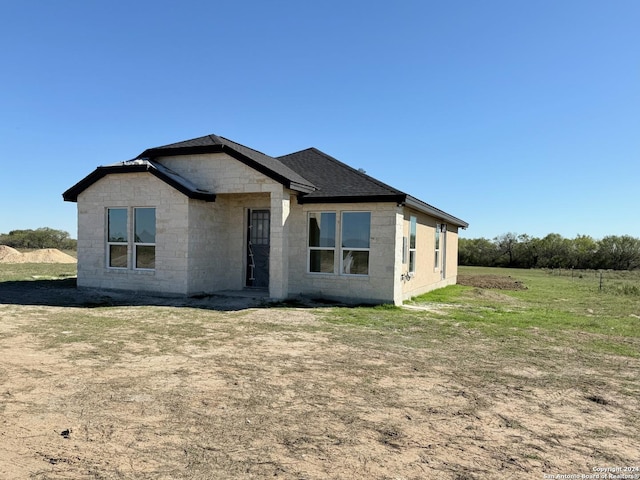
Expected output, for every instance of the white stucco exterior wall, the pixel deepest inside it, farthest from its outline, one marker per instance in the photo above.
(376, 287)
(428, 276)
(128, 191)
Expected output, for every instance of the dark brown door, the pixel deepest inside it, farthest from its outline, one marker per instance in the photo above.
(258, 249)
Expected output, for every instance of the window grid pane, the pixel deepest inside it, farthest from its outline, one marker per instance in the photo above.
(145, 256)
(321, 261)
(145, 225)
(355, 262)
(118, 256)
(117, 225)
(413, 230)
(356, 229)
(412, 237)
(322, 229)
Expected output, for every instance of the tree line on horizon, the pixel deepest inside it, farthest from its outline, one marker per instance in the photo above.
(39, 238)
(613, 252)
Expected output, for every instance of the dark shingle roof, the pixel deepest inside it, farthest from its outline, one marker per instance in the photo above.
(135, 166)
(265, 164)
(337, 182)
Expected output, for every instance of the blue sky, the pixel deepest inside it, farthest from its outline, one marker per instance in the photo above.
(514, 116)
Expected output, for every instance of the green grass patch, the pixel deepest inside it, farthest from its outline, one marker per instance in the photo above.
(559, 311)
(11, 272)
(559, 305)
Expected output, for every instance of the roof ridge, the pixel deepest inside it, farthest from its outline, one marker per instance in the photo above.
(244, 146)
(173, 144)
(214, 137)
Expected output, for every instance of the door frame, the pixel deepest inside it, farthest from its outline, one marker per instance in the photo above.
(250, 252)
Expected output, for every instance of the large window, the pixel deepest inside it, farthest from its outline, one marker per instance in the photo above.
(356, 235)
(322, 242)
(145, 238)
(142, 243)
(413, 230)
(353, 235)
(117, 238)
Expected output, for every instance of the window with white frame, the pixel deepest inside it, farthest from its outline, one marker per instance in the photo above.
(142, 243)
(355, 243)
(322, 242)
(437, 249)
(413, 230)
(117, 238)
(145, 238)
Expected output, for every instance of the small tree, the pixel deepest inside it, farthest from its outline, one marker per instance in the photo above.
(507, 246)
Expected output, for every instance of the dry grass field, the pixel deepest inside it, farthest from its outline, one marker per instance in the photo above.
(469, 383)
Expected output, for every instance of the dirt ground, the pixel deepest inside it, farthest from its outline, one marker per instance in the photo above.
(217, 388)
(499, 282)
(44, 255)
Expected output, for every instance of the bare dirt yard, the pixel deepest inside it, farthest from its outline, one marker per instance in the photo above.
(499, 282)
(110, 387)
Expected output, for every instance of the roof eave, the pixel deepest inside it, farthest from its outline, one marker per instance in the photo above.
(398, 199)
(71, 195)
(299, 187)
(434, 212)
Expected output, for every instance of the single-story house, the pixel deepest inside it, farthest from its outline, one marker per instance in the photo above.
(208, 215)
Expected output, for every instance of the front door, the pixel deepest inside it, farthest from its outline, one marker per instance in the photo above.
(258, 249)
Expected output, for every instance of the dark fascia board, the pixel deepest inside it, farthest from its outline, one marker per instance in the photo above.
(152, 153)
(434, 212)
(397, 199)
(71, 195)
(401, 199)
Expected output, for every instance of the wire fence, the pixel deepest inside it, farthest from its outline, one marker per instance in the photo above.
(617, 282)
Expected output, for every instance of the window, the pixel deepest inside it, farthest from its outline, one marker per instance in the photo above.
(322, 242)
(259, 227)
(412, 244)
(437, 256)
(119, 241)
(145, 238)
(117, 238)
(405, 249)
(356, 234)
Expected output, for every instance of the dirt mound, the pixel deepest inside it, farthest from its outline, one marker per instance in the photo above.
(45, 255)
(7, 254)
(491, 281)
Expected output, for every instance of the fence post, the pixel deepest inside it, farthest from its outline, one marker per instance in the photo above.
(601, 281)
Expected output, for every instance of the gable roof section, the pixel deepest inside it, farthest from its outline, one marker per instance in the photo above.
(337, 182)
(316, 176)
(140, 166)
(264, 164)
